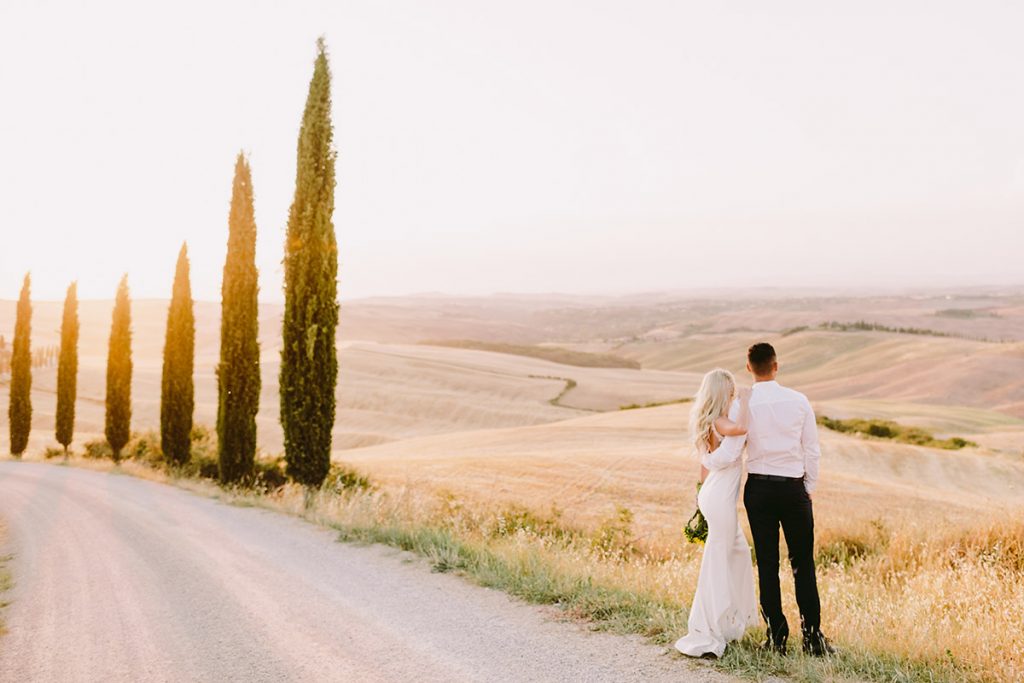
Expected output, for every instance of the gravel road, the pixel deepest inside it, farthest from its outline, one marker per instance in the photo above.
(121, 579)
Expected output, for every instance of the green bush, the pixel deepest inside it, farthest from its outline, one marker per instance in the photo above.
(200, 465)
(97, 449)
(204, 441)
(843, 551)
(144, 447)
(52, 452)
(881, 430)
(341, 478)
(269, 473)
(887, 429)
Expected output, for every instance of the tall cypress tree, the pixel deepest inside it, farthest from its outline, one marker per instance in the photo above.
(67, 369)
(119, 372)
(177, 394)
(20, 410)
(309, 364)
(238, 373)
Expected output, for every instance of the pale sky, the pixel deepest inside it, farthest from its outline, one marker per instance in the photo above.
(528, 146)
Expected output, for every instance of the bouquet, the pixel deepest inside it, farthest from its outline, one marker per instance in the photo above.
(696, 530)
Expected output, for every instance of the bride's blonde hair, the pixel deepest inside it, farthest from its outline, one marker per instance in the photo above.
(712, 402)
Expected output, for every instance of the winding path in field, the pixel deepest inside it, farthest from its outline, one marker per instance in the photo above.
(121, 579)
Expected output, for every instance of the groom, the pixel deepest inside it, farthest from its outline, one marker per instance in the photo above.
(782, 472)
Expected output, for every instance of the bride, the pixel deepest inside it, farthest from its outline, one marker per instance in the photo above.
(724, 604)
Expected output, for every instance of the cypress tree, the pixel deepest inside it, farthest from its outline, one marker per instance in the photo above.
(119, 373)
(238, 373)
(67, 369)
(177, 394)
(309, 365)
(20, 410)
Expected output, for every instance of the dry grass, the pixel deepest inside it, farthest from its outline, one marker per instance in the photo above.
(903, 604)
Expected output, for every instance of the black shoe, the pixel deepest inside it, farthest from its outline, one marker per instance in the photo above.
(816, 644)
(776, 644)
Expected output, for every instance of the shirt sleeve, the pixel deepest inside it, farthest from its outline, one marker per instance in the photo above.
(729, 451)
(811, 449)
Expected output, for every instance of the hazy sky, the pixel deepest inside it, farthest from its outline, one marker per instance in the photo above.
(520, 146)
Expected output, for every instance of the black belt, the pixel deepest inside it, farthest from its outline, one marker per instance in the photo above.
(772, 477)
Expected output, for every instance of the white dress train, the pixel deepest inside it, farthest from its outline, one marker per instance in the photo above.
(724, 604)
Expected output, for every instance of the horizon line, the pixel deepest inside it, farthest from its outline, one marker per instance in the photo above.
(852, 290)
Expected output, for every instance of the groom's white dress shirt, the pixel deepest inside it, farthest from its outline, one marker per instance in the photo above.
(782, 436)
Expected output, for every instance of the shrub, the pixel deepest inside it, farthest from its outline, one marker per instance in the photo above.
(881, 430)
(144, 447)
(52, 452)
(201, 465)
(269, 473)
(97, 449)
(204, 441)
(341, 478)
(887, 429)
(843, 549)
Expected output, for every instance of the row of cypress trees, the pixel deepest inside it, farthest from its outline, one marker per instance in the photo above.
(119, 371)
(19, 411)
(309, 366)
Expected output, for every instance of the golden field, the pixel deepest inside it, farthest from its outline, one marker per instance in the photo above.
(921, 550)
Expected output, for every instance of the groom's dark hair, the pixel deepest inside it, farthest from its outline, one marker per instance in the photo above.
(761, 356)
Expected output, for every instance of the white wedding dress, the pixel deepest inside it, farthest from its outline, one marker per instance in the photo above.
(724, 604)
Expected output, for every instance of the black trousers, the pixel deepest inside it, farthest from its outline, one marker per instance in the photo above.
(771, 504)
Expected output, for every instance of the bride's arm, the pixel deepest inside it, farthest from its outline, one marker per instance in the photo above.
(729, 451)
(728, 427)
(726, 454)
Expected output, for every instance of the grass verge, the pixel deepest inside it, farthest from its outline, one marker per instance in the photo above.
(6, 578)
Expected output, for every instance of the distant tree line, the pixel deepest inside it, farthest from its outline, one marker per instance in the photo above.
(309, 368)
(45, 357)
(864, 326)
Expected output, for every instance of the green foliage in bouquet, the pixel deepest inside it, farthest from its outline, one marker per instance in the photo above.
(696, 530)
